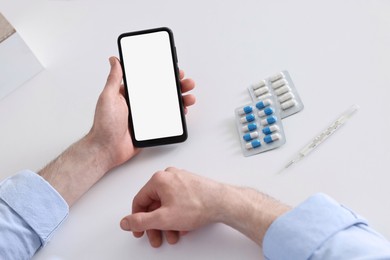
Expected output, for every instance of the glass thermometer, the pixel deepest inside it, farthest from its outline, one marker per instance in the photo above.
(320, 138)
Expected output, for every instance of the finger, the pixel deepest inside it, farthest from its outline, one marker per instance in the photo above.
(122, 90)
(172, 237)
(189, 100)
(114, 79)
(183, 233)
(124, 224)
(181, 74)
(187, 85)
(146, 196)
(138, 234)
(155, 237)
(142, 221)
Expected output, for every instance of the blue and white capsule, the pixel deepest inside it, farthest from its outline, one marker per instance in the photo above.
(250, 136)
(271, 138)
(262, 104)
(266, 112)
(254, 144)
(249, 127)
(247, 118)
(245, 110)
(270, 129)
(269, 120)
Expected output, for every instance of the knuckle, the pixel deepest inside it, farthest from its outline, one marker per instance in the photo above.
(170, 169)
(138, 222)
(159, 177)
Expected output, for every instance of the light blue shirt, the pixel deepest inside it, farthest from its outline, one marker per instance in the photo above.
(319, 228)
(30, 212)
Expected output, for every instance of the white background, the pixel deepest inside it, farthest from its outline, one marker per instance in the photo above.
(337, 53)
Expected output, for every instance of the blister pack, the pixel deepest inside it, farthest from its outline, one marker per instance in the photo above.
(282, 87)
(259, 126)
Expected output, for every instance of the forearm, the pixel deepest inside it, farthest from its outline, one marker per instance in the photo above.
(249, 211)
(77, 169)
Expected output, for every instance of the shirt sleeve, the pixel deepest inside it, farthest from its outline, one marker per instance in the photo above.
(30, 211)
(321, 228)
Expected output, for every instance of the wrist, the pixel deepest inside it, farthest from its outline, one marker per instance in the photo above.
(76, 169)
(249, 211)
(98, 152)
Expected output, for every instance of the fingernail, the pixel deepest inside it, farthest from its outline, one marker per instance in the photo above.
(125, 224)
(112, 61)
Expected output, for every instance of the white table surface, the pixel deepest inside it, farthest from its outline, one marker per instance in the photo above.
(337, 53)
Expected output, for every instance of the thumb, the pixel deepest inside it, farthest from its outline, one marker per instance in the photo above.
(142, 221)
(114, 79)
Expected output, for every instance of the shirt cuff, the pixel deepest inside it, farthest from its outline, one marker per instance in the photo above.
(299, 232)
(36, 202)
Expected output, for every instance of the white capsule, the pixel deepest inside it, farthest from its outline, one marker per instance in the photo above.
(288, 104)
(262, 97)
(282, 90)
(285, 97)
(278, 84)
(276, 77)
(261, 91)
(258, 85)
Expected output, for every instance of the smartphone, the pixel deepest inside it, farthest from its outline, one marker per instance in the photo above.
(152, 87)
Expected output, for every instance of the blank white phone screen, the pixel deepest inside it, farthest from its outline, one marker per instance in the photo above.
(151, 86)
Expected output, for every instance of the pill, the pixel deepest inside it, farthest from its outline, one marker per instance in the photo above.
(261, 91)
(264, 96)
(269, 120)
(258, 85)
(278, 84)
(247, 118)
(245, 110)
(249, 127)
(285, 97)
(282, 90)
(276, 77)
(253, 144)
(270, 129)
(270, 138)
(263, 104)
(250, 136)
(288, 104)
(266, 112)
